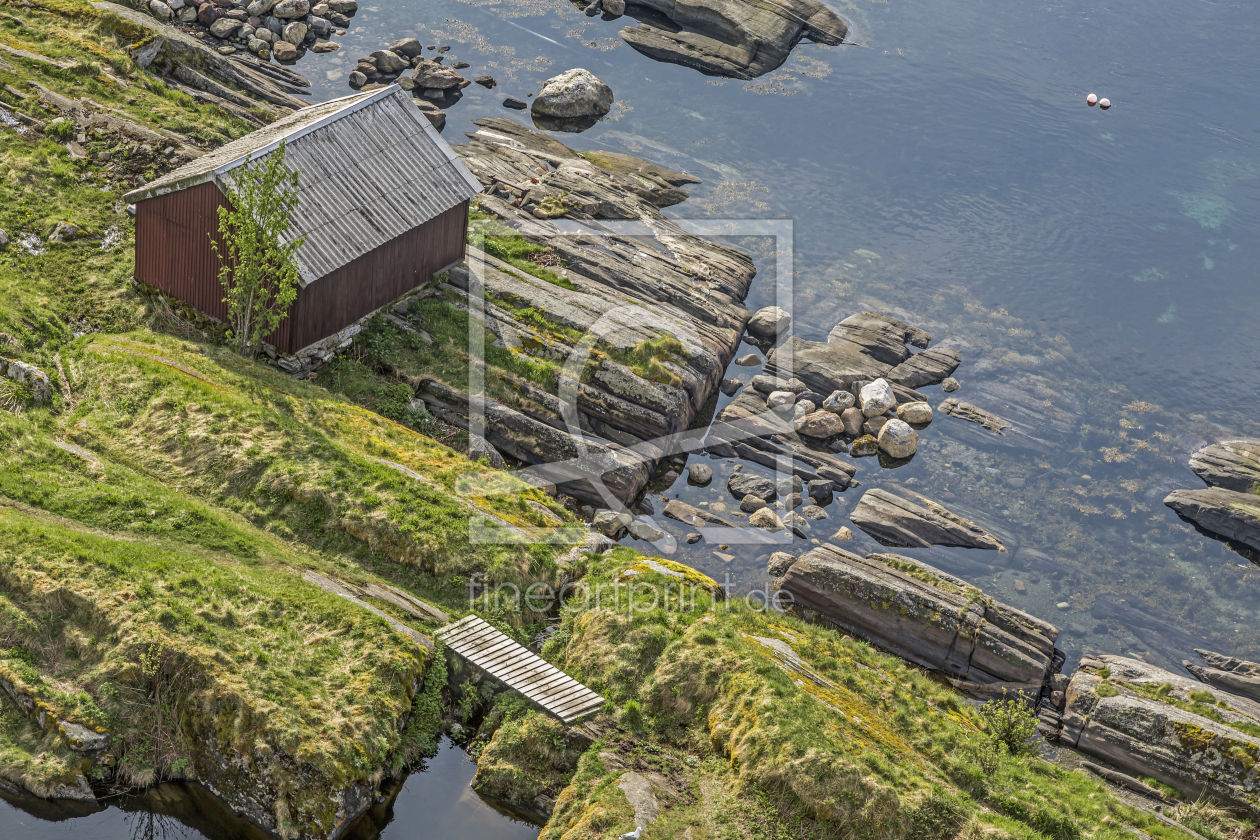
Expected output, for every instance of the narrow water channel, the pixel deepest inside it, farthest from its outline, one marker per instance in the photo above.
(434, 802)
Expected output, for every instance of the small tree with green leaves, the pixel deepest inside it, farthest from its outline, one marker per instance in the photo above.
(258, 270)
(1010, 723)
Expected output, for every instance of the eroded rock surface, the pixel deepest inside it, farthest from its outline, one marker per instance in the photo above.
(1150, 723)
(1225, 514)
(917, 522)
(1232, 465)
(924, 615)
(1237, 676)
(733, 38)
(685, 300)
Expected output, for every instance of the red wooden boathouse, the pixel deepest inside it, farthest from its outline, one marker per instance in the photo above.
(382, 202)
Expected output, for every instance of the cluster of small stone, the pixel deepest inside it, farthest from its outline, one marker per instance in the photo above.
(403, 63)
(280, 29)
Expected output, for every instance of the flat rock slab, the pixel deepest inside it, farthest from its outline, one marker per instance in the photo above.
(861, 348)
(733, 38)
(1232, 465)
(1139, 718)
(1237, 676)
(642, 798)
(917, 522)
(923, 615)
(1225, 514)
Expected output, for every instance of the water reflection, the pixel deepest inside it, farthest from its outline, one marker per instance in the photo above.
(434, 802)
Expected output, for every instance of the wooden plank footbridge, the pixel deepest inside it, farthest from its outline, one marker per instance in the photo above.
(516, 667)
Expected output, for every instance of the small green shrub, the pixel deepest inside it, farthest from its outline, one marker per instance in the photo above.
(1011, 723)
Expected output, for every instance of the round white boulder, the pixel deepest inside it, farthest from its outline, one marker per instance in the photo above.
(878, 397)
(916, 413)
(769, 323)
(897, 439)
(573, 94)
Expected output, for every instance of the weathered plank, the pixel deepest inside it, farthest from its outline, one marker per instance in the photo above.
(512, 664)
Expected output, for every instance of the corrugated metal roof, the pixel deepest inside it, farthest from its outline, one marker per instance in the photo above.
(370, 168)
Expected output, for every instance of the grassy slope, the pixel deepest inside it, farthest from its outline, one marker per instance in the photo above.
(743, 748)
(153, 589)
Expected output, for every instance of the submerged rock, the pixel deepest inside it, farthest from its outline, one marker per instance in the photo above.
(917, 523)
(743, 484)
(924, 615)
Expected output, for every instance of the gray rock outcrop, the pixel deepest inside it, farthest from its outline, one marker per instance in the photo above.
(1232, 465)
(917, 522)
(1225, 514)
(1145, 720)
(30, 376)
(1229, 508)
(923, 615)
(1237, 676)
(734, 38)
(626, 416)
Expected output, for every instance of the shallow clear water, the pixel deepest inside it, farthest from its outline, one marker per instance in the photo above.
(1094, 268)
(435, 802)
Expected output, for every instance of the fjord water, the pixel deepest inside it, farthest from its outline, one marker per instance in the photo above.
(1095, 269)
(435, 803)
(1098, 268)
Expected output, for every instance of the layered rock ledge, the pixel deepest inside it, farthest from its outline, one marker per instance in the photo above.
(925, 616)
(656, 328)
(1153, 723)
(732, 38)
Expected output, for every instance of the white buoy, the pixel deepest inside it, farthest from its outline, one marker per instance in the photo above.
(1104, 104)
(1091, 100)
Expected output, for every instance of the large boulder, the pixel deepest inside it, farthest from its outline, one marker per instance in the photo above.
(290, 9)
(897, 439)
(390, 62)
(924, 615)
(877, 398)
(433, 76)
(769, 323)
(573, 94)
(409, 47)
(820, 425)
(1232, 465)
(1153, 723)
(917, 522)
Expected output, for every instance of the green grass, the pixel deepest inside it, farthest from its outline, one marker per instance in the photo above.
(869, 747)
(501, 242)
